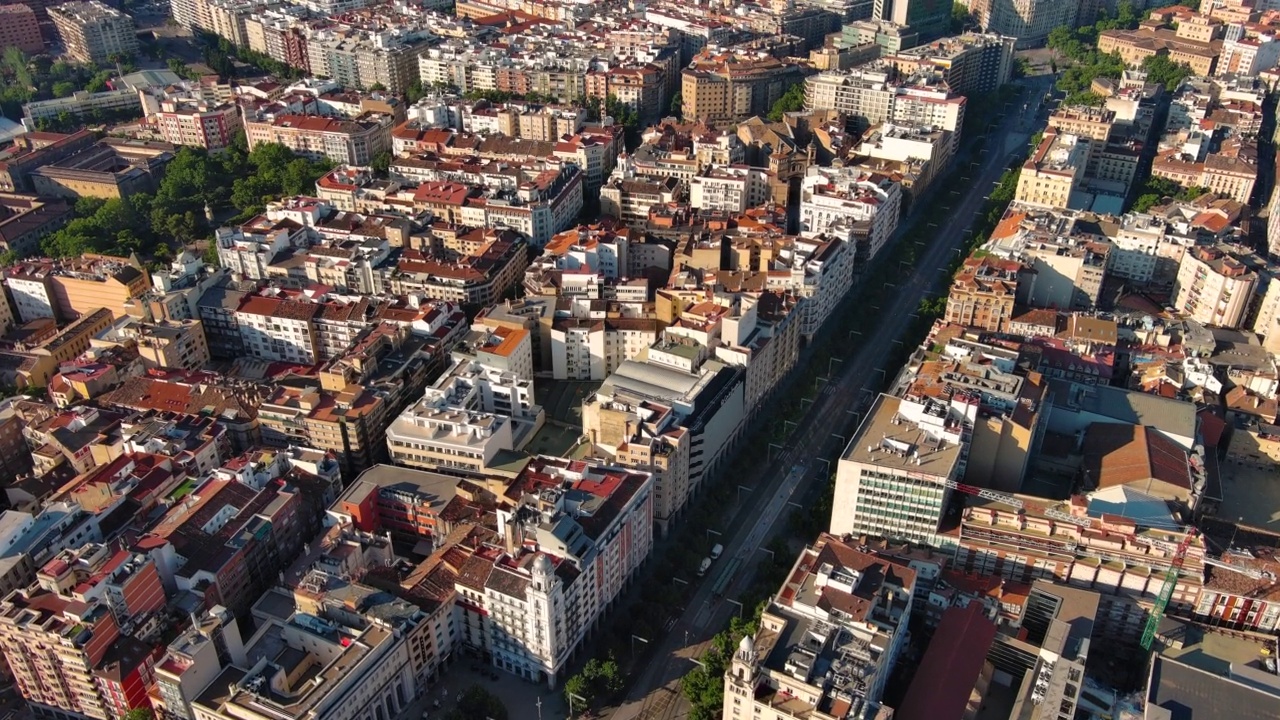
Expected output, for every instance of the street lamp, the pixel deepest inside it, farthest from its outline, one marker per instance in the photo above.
(711, 532)
(538, 704)
(572, 697)
(772, 556)
(634, 638)
(735, 602)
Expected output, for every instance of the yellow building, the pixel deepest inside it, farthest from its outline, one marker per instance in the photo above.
(1050, 175)
(82, 285)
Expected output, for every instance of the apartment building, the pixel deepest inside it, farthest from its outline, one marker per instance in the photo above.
(891, 480)
(92, 31)
(983, 293)
(724, 86)
(25, 220)
(860, 208)
(799, 635)
(1053, 171)
(1060, 543)
(20, 28)
(362, 662)
(528, 600)
(1215, 285)
(655, 406)
(437, 435)
(346, 142)
(349, 422)
(733, 189)
(194, 121)
(278, 329)
(591, 349)
(970, 64)
(630, 200)
(165, 344)
(1029, 22)
(194, 658)
(54, 646)
(471, 280)
(534, 196)
(873, 97)
(71, 287)
(1232, 172)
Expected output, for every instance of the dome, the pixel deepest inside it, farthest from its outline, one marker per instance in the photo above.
(747, 646)
(542, 566)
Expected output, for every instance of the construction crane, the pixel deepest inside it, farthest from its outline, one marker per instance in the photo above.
(1175, 566)
(1166, 592)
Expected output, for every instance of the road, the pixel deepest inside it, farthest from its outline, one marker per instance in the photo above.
(802, 465)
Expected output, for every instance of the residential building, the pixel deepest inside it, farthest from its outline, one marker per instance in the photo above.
(194, 121)
(891, 480)
(586, 349)
(346, 142)
(983, 293)
(970, 64)
(630, 200)
(842, 609)
(733, 189)
(194, 658)
(724, 86)
(363, 662)
(350, 422)
(92, 32)
(858, 207)
(435, 434)
(20, 28)
(53, 645)
(1215, 286)
(567, 540)
(25, 220)
(1053, 171)
(927, 18)
(165, 344)
(473, 280)
(650, 415)
(1029, 22)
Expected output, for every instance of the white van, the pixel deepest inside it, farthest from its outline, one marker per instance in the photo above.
(704, 567)
(717, 551)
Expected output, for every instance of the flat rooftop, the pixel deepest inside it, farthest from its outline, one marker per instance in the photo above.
(886, 440)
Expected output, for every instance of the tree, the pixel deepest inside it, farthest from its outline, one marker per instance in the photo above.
(1170, 74)
(960, 17)
(476, 703)
(791, 101)
(676, 109)
(598, 679)
(140, 714)
(381, 162)
(63, 89)
(414, 92)
(377, 87)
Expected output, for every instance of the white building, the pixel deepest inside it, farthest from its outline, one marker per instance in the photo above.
(1136, 247)
(278, 330)
(827, 641)
(733, 189)
(585, 529)
(1214, 287)
(591, 348)
(860, 208)
(891, 479)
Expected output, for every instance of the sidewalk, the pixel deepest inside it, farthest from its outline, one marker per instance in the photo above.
(520, 696)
